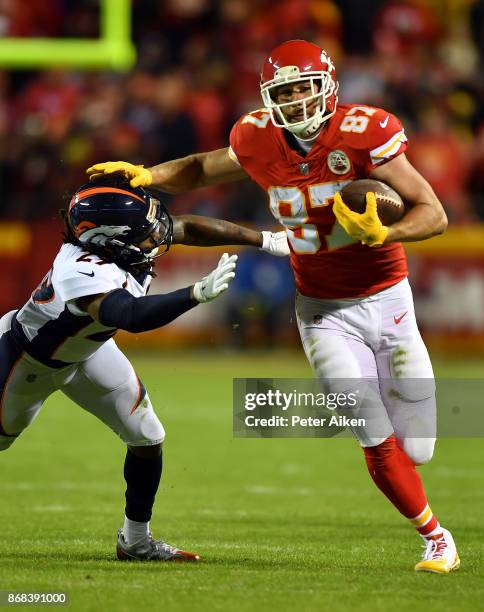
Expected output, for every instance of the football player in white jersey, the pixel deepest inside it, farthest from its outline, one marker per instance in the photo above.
(62, 338)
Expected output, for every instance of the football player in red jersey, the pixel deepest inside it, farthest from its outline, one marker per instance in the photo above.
(354, 304)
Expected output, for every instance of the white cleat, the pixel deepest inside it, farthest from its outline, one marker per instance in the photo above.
(440, 555)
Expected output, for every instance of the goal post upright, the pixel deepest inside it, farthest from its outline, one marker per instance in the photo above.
(114, 49)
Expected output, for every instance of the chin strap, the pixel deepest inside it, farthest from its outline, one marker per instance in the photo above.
(306, 132)
(313, 129)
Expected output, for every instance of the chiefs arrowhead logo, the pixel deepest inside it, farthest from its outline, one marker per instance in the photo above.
(338, 162)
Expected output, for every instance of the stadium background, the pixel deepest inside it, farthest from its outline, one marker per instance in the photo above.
(196, 72)
(248, 505)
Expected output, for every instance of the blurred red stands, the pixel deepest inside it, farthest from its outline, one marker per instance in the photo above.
(198, 71)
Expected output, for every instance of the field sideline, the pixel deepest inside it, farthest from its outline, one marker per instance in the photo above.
(294, 523)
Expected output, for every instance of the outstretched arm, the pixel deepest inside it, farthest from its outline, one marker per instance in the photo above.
(178, 175)
(198, 170)
(204, 231)
(121, 310)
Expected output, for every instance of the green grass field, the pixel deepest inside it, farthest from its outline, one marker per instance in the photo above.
(287, 524)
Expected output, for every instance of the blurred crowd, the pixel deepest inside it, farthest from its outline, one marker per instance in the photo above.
(197, 71)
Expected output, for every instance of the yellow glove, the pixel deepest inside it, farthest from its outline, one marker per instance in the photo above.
(365, 227)
(139, 175)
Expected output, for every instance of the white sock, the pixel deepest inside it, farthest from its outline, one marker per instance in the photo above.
(134, 531)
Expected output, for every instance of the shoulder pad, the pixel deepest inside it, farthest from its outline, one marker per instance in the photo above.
(85, 275)
(375, 130)
(246, 130)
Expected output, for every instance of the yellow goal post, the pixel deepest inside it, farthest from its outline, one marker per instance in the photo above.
(113, 50)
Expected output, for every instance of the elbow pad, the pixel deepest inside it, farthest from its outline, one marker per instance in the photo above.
(122, 310)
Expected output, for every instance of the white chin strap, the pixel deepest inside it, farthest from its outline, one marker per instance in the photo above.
(306, 129)
(152, 254)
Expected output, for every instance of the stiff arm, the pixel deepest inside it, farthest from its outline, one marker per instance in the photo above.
(197, 170)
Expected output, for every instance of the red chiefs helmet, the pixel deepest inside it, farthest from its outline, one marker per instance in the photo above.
(299, 60)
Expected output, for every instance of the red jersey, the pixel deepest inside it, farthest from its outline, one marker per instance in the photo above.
(327, 263)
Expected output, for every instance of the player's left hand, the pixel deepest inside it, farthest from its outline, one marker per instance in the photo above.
(215, 283)
(275, 243)
(365, 227)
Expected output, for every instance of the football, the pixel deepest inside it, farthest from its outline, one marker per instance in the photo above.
(390, 205)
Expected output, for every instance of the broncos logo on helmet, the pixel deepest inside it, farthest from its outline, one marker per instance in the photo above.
(110, 218)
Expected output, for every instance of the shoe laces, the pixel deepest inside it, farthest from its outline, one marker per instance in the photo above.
(163, 546)
(434, 549)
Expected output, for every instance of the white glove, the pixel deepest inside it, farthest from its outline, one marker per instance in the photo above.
(217, 281)
(275, 243)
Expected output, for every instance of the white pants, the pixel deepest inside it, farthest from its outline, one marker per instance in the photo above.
(376, 338)
(105, 385)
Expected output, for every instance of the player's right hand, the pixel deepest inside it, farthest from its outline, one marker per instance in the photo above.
(139, 175)
(215, 283)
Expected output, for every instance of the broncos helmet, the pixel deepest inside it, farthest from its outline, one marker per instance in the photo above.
(110, 218)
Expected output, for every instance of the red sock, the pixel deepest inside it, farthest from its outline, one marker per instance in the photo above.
(395, 475)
